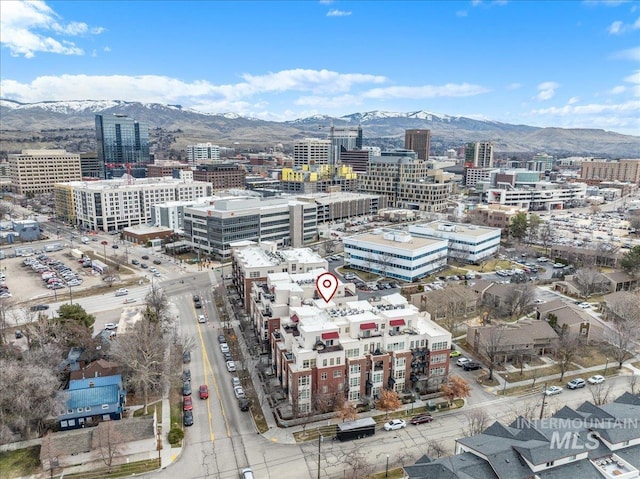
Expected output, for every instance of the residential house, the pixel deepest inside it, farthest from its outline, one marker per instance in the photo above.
(585, 256)
(523, 338)
(89, 401)
(621, 281)
(589, 442)
(96, 369)
(575, 320)
(454, 300)
(621, 304)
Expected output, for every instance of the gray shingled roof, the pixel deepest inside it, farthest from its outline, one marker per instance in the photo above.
(460, 466)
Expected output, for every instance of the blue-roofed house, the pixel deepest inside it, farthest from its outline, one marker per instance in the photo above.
(89, 401)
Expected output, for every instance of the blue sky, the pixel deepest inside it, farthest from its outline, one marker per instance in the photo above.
(542, 63)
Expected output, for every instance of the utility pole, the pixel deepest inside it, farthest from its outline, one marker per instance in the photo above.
(319, 451)
(544, 398)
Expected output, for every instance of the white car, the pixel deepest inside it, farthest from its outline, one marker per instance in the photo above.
(202, 319)
(231, 366)
(462, 361)
(122, 292)
(553, 390)
(224, 347)
(239, 392)
(395, 424)
(110, 326)
(597, 379)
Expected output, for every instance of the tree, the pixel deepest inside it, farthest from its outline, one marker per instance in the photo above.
(76, 313)
(477, 421)
(157, 307)
(568, 345)
(456, 387)
(594, 208)
(357, 464)
(388, 401)
(519, 300)
(546, 235)
(624, 328)
(142, 353)
(5, 306)
(600, 393)
(31, 398)
(533, 228)
(347, 411)
(109, 442)
(493, 345)
(589, 280)
(634, 223)
(630, 261)
(519, 225)
(436, 447)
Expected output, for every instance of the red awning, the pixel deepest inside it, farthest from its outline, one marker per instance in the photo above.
(396, 322)
(368, 326)
(330, 335)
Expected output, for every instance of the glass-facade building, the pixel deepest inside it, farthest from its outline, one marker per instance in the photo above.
(120, 141)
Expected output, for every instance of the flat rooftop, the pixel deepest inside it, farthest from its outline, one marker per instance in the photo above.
(414, 243)
(457, 228)
(255, 257)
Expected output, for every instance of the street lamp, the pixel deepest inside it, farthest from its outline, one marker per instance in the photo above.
(605, 367)
(386, 472)
(70, 295)
(504, 387)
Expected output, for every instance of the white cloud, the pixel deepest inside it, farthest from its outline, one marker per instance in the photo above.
(338, 13)
(616, 90)
(629, 54)
(546, 90)
(28, 27)
(462, 13)
(618, 27)
(106, 49)
(426, 91)
(573, 100)
(514, 86)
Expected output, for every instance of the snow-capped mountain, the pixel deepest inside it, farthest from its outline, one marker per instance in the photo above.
(383, 128)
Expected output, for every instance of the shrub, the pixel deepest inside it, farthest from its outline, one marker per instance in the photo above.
(175, 436)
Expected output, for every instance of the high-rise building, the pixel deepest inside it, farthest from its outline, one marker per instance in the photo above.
(479, 154)
(343, 139)
(418, 141)
(121, 140)
(36, 171)
(202, 152)
(311, 151)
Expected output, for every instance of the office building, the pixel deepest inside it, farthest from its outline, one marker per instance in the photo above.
(33, 172)
(605, 170)
(407, 182)
(202, 152)
(213, 228)
(342, 205)
(318, 179)
(311, 151)
(90, 166)
(346, 348)
(541, 196)
(169, 169)
(110, 205)
(497, 216)
(395, 254)
(479, 154)
(474, 175)
(418, 141)
(222, 176)
(466, 243)
(343, 139)
(356, 159)
(121, 141)
(171, 213)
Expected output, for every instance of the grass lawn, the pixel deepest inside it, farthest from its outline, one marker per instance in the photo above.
(157, 406)
(491, 265)
(365, 276)
(19, 463)
(592, 356)
(122, 470)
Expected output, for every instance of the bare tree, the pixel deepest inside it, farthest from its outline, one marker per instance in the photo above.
(31, 398)
(142, 353)
(589, 281)
(477, 422)
(436, 447)
(385, 260)
(357, 464)
(158, 307)
(5, 306)
(109, 442)
(568, 345)
(519, 300)
(493, 345)
(621, 338)
(600, 393)
(633, 382)
(110, 279)
(546, 235)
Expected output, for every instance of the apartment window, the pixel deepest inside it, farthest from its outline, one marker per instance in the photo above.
(323, 376)
(337, 374)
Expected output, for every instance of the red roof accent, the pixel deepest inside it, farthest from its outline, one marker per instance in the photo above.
(396, 322)
(368, 326)
(295, 318)
(330, 335)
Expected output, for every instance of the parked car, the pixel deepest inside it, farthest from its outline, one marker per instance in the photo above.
(144, 265)
(145, 257)
(186, 375)
(188, 418)
(204, 391)
(157, 261)
(186, 388)
(186, 357)
(227, 356)
(461, 361)
(224, 347)
(239, 392)
(243, 403)
(135, 261)
(553, 390)
(187, 403)
(576, 383)
(202, 319)
(39, 307)
(235, 381)
(221, 338)
(110, 326)
(454, 354)
(597, 379)
(395, 424)
(231, 366)
(421, 419)
(471, 366)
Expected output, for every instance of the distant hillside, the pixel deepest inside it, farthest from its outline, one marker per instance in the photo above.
(70, 124)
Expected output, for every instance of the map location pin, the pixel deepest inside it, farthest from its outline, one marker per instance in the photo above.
(327, 285)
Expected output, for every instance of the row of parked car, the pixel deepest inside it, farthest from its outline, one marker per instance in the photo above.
(576, 383)
(238, 391)
(53, 272)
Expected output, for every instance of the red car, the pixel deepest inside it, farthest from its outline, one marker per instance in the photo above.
(204, 391)
(421, 418)
(187, 405)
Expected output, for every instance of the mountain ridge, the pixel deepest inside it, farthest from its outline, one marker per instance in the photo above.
(386, 128)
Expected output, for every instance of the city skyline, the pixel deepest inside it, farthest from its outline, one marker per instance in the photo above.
(566, 64)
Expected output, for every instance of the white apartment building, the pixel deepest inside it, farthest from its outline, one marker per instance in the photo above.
(213, 228)
(346, 348)
(395, 254)
(36, 171)
(110, 205)
(473, 175)
(541, 196)
(253, 261)
(466, 243)
(202, 152)
(311, 151)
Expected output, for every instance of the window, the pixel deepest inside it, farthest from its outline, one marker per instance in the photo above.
(337, 374)
(323, 376)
